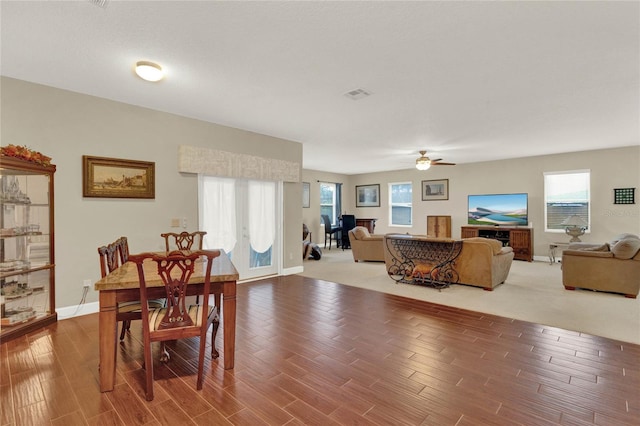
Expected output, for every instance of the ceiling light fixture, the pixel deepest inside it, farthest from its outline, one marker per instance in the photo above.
(423, 163)
(149, 71)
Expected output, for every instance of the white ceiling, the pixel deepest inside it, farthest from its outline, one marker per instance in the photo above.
(467, 81)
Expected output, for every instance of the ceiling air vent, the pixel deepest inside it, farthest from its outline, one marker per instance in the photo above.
(357, 94)
(100, 3)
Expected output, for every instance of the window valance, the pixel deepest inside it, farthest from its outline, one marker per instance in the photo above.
(213, 162)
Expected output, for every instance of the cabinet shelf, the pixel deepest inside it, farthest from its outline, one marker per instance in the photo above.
(27, 267)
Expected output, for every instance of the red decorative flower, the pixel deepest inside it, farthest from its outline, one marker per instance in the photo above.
(26, 154)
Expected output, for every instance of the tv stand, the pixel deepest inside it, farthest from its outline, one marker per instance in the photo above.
(520, 239)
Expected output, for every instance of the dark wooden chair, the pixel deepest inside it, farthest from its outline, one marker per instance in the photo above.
(111, 257)
(330, 231)
(348, 223)
(176, 321)
(184, 240)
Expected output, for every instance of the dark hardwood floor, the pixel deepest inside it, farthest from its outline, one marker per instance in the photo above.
(314, 352)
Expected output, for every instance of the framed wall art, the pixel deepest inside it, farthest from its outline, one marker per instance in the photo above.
(368, 195)
(306, 196)
(117, 178)
(624, 196)
(435, 190)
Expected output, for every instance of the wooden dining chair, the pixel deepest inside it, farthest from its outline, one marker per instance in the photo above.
(175, 321)
(184, 240)
(111, 257)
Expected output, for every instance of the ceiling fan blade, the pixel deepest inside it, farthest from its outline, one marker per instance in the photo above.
(442, 164)
(436, 160)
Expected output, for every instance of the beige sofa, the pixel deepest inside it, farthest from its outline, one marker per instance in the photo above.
(365, 246)
(481, 262)
(613, 266)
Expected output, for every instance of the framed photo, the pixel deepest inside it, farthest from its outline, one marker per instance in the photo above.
(368, 195)
(306, 197)
(435, 190)
(117, 178)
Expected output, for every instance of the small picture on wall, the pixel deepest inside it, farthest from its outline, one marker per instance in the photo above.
(368, 195)
(435, 190)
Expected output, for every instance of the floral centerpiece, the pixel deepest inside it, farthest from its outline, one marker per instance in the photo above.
(25, 153)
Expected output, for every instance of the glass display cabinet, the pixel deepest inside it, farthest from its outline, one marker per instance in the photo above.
(27, 268)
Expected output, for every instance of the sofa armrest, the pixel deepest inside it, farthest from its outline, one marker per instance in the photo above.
(587, 253)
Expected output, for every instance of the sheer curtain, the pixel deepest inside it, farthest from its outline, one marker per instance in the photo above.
(262, 215)
(219, 202)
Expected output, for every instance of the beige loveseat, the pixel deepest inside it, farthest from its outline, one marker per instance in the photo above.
(481, 262)
(365, 246)
(613, 266)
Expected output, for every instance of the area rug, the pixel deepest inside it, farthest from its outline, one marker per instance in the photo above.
(532, 292)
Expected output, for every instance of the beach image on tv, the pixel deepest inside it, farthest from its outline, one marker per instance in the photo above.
(498, 209)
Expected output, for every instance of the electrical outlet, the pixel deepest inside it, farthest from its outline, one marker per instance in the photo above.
(184, 222)
(86, 283)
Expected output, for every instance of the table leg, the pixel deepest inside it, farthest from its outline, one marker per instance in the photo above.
(552, 254)
(108, 334)
(229, 321)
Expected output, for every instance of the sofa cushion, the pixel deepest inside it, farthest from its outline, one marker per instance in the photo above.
(602, 247)
(496, 246)
(623, 236)
(626, 248)
(361, 232)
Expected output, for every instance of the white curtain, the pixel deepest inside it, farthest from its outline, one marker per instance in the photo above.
(262, 214)
(218, 212)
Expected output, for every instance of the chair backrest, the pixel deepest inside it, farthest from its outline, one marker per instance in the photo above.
(348, 222)
(327, 222)
(109, 258)
(123, 249)
(175, 270)
(184, 240)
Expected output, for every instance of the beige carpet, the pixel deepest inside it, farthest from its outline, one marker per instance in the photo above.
(533, 292)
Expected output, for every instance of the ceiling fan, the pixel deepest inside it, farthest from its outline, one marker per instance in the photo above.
(424, 162)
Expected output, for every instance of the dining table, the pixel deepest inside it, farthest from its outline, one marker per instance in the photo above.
(123, 285)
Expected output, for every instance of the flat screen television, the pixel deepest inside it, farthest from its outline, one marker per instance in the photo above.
(498, 209)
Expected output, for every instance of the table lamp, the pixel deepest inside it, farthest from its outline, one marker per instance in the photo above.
(575, 226)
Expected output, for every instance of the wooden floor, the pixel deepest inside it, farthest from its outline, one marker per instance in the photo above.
(313, 352)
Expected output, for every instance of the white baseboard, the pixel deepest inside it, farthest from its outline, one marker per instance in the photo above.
(294, 270)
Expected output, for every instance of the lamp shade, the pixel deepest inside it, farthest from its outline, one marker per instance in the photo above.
(574, 220)
(149, 71)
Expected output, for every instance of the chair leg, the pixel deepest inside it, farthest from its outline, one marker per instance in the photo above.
(148, 367)
(126, 326)
(164, 356)
(214, 332)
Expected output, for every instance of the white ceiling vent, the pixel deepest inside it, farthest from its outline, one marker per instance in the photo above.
(357, 94)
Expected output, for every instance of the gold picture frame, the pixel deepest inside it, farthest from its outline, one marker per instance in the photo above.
(117, 178)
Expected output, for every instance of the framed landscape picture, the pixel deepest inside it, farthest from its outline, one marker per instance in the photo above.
(368, 195)
(435, 190)
(117, 178)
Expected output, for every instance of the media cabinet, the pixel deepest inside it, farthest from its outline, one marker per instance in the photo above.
(520, 239)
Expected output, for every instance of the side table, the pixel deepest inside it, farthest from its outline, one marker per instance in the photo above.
(552, 251)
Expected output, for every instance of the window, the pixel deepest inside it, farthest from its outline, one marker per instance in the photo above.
(328, 201)
(400, 203)
(566, 194)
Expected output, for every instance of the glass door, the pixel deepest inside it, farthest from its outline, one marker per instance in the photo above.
(242, 217)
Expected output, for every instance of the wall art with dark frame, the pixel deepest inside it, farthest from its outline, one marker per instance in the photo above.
(117, 178)
(435, 190)
(368, 195)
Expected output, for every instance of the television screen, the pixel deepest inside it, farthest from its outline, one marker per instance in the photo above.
(498, 209)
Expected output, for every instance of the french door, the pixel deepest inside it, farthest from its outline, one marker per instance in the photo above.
(242, 217)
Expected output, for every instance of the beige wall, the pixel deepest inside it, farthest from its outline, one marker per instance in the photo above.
(66, 125)
(610, 168)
